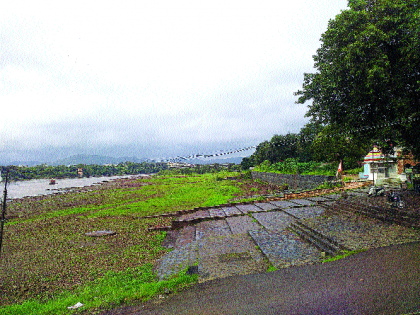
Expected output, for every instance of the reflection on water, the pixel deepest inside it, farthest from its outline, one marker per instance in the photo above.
(37, 187)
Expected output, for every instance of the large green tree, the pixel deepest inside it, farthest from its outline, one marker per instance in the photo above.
(367, 82)
(282, 147)
(330, 146)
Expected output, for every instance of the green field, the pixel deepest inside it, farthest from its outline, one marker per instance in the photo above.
(48, 263)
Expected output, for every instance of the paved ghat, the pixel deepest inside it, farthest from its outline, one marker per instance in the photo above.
(249, 238)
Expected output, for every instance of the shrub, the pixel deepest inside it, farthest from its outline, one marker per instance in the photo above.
(328, 185)
(246, 175)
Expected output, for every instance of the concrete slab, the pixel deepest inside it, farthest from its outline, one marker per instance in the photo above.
(186, 236)
(283, 204)
(230, 211)
(306, 212)
(248, 208)
(274, 220)
(265, 206)
(242, 224)
(225, 256)
(175, 261)
(195, 215)
(212, 228)
(303, 202)
(216, 213)
(284, 249)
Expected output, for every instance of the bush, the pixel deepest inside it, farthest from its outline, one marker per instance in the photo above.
(265, 166)
(328, 185)
(291, 166)
(354, 171)
(246, 175)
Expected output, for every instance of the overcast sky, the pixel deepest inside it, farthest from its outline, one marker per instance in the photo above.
(152, 78)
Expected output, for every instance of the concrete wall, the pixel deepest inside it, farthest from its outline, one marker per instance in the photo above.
(294, 181)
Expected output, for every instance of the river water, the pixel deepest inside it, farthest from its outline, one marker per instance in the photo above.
(36, 187)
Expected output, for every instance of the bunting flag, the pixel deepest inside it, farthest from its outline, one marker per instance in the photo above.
(300, 138)
(340, 168)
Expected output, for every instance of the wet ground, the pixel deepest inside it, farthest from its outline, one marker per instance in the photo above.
(383, 280)
(252, 238)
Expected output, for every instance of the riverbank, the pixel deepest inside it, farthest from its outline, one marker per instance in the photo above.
(52, 258)
(40, 187)
(47, 253)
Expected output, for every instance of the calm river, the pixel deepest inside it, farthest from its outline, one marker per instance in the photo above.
(38, 187)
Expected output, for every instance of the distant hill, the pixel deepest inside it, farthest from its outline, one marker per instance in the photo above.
(24, 163)
(95, 159)
(102, 160)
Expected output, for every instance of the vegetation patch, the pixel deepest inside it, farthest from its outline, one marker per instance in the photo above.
(343, 255)
(49, 263)
(293, 166)
(113, 289)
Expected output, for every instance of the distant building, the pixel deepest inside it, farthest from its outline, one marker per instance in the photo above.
(179, 165)
(377, 166)
(80, 172)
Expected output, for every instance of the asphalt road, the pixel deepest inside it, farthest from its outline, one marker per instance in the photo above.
(379, 281)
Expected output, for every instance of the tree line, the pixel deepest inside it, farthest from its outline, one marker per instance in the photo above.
(365, 91)
(314, 143)
(71, 171)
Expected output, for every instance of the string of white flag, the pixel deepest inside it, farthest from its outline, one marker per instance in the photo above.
(299, 138)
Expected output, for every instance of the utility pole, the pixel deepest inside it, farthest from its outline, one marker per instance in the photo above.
(3, 212)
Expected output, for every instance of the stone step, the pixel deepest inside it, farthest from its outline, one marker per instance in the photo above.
(265, 206)
(217, 213)
(303, 202)
(284, 249)
(305, 212)
(190, 218)
(231, 211)
(283, 204)
(391, 216)
(248, 208)
(200, 214)
(334, 209)
(322, 242)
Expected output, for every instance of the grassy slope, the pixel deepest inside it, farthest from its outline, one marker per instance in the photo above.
(48, 263)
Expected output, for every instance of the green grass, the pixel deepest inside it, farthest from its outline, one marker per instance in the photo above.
(328, 185)
(343, 255)
(115, 288)
(290, 166)
(48, 263)
(161, 194)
